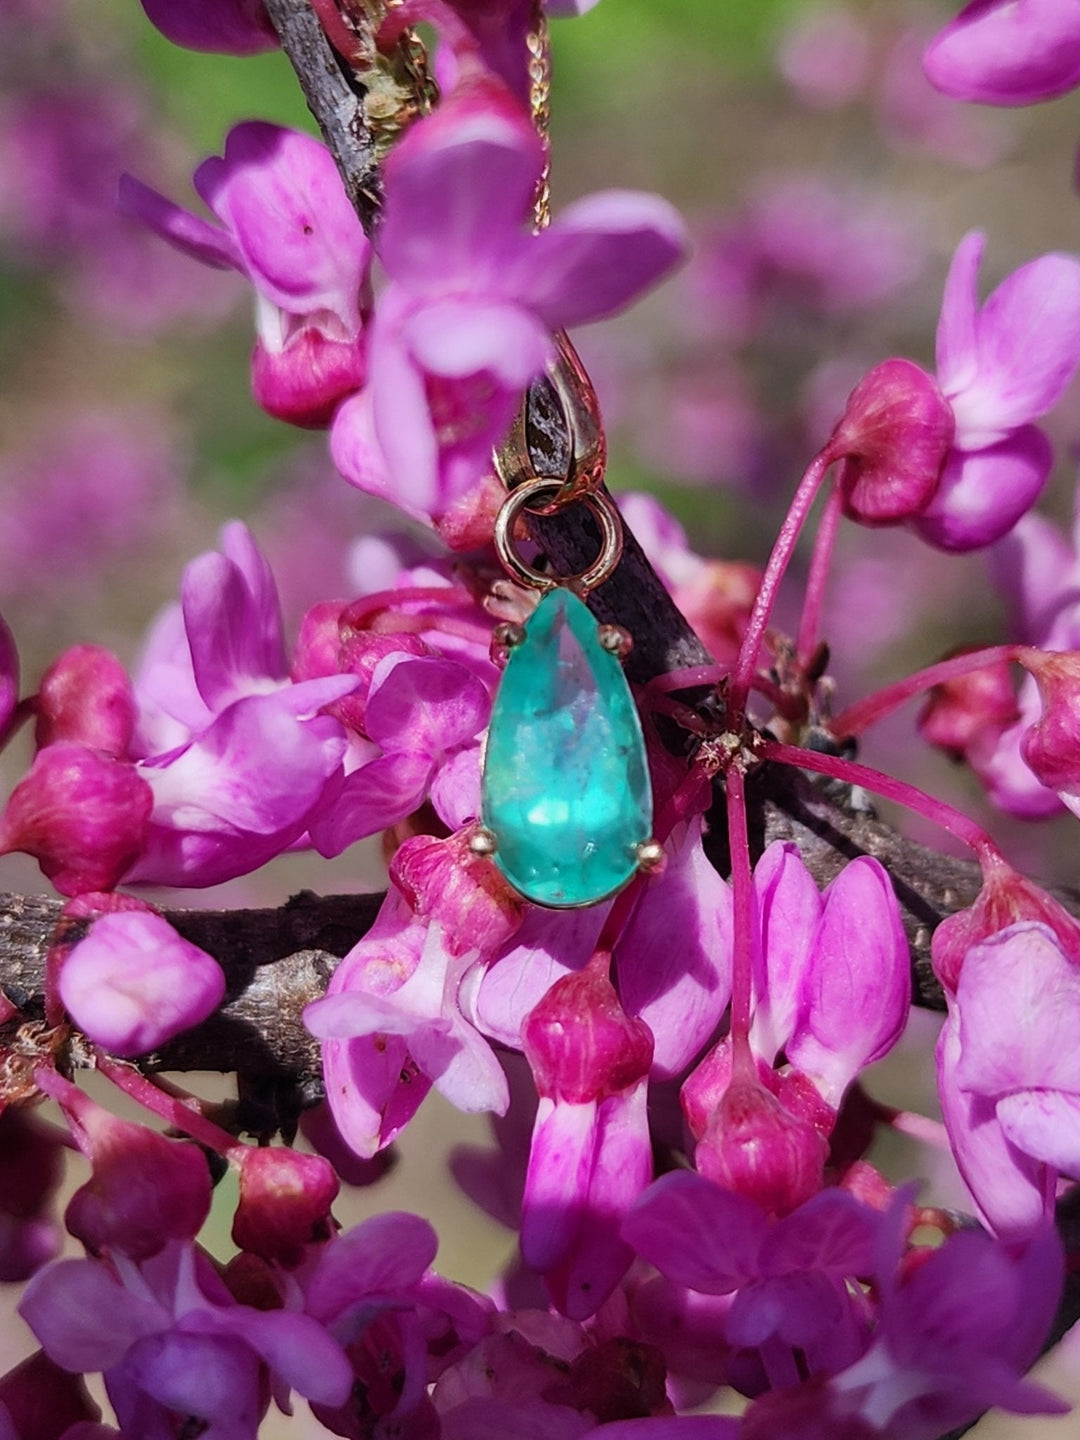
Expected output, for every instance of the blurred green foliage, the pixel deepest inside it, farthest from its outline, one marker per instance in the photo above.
(202, 95)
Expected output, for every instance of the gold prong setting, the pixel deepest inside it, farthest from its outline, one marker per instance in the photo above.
(482, 842)
(615, 640)
(650, 856)
(506, 636)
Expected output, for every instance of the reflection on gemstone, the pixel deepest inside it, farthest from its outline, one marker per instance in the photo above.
(566, 785)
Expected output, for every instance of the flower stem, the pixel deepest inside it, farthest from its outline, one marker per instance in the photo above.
(850, 772)
(743, 673)
(817, 579)
(182, 1114)
(742, 964)
(859, 717)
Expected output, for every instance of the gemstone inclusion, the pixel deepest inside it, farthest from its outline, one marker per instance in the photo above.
(566, 786)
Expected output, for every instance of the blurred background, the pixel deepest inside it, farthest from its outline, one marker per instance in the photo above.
(826, 185)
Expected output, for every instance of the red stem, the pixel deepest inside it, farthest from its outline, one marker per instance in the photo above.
(742, 964)
(337, 32)
(852, 773)
(742, 675)
(818, 578)
(182, 1114)
(859, 717)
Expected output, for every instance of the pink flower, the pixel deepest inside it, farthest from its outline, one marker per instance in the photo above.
(1000, 367)
(392, 1026)
(1037, 569)
(958, 458)
(236, 757)
(591, 1154)
(1008, 52)
(134, 983)
(466, 321)
(289, 227)
(1009, 1076)
(425, 715)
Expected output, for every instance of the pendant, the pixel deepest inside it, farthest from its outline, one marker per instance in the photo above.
(566, 799)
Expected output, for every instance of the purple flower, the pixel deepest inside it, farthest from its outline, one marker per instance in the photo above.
(400, 1325)
(176, 1341)
(466, 321)
(1008, 52)
(134, 983)
(289, 227)
(1037, 569)
(1000, 367)
(832, 982)
(953, 1340)
(227, 27)
(789, 1277)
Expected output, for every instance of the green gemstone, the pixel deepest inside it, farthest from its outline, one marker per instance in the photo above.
(566, 786)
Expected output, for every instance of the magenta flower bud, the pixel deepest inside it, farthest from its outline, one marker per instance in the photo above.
(86, 697)
(31, 1168)
(1052, 746)
(970, 710)
(145, 1190)
(224, 27)
(9, 676)
(893, 441)
(42, 1401)
(444, 880)
(758, 1149)
(318, 644)
(82, 815)
(285, 1200)
(857, 983)
(1004, 899)
(580, 1042)
(304, 382)
(329, 644)
(133, 983)
(360, 654)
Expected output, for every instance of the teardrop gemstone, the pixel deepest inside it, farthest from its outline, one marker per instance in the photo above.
(566, 785)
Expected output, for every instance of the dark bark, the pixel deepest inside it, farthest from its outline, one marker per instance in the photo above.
(336, 97)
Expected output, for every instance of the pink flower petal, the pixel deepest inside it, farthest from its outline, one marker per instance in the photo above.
(188, 233)
(279, 194)
(1008, 52)
(459, 190)
(599, 255)
(133, 983)
(983, 493)
(1028, 339)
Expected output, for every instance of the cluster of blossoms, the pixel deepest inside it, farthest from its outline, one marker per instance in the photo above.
(725, 1021)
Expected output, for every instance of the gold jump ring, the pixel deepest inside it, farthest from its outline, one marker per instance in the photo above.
(601, 507)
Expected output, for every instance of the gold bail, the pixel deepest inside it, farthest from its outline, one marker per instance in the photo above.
(585, 433)
(600, 506)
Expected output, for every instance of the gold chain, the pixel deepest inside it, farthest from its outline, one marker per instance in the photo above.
(539, 47)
